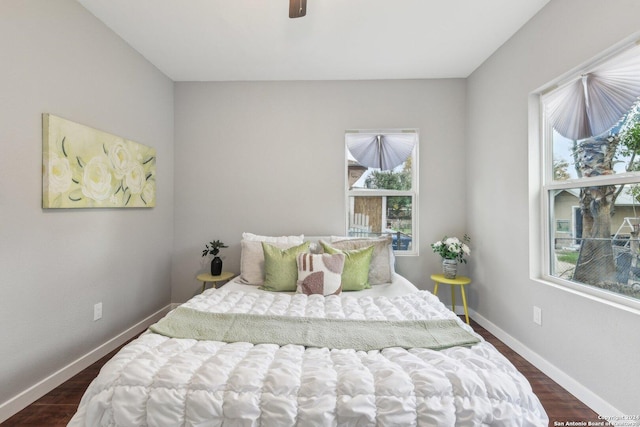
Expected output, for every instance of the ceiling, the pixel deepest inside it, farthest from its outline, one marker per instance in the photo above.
(227, 40)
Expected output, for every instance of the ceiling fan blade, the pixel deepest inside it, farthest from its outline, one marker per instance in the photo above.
(297, 8)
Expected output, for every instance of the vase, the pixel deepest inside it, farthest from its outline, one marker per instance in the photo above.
(449, 268)
(216, 266)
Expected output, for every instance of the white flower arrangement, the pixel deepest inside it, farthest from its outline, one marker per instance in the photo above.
(453, 248)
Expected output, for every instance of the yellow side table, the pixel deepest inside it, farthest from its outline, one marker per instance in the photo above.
(206, 277)
(458, 281)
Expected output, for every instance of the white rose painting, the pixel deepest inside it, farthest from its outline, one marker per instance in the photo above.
(87, 168)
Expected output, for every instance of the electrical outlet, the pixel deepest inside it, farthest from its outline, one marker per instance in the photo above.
(537, 315)
(97, 311)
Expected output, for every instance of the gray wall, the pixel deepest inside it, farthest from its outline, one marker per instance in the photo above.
(57, 58)
(268, 158)
(592, 342)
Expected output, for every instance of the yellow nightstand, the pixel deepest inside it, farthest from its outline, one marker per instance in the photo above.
(458, 281)
(225, 276)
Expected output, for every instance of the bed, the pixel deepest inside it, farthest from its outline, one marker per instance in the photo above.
(182, 372)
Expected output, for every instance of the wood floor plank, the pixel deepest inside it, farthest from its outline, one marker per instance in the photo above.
(560, 405)
(57, 407)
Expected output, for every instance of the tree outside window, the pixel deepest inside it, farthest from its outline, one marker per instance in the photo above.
(593, 194)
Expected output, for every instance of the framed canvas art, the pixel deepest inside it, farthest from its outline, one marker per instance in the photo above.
(88, 168)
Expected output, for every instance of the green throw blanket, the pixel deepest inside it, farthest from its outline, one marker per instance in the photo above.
(313, 332)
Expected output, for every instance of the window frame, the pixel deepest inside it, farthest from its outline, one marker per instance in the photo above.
(542, 228)
(413, 193)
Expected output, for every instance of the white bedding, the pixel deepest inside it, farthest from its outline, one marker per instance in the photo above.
(161, 381)
(398, 286)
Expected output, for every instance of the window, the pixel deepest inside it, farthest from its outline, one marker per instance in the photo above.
(382, 186)
(591, 187)
(562, 225)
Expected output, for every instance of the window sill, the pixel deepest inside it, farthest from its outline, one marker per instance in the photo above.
(405, 253)
(611, 299)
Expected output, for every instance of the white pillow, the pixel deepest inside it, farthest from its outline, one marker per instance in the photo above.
(296, 240)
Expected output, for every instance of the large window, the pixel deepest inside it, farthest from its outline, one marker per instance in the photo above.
(382, 186)
(591, 132)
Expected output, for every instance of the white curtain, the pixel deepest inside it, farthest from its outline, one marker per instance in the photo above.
(594, 102)
(384, 151)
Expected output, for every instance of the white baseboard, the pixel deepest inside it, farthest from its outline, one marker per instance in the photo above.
(33, 393)
(582, 393)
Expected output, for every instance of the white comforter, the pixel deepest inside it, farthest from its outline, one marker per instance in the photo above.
(160, 381)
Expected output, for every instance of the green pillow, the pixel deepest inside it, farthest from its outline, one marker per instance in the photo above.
(281, 268)
(355, 274)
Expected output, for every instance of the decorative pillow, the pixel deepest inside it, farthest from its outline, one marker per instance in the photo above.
(380, 270)
(293, 240)
(280, 267)
(355, 275)
(320, 273)
(252, 261)
(315, 247)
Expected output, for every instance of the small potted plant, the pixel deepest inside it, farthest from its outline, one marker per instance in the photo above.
(213, 248)
(452, 250)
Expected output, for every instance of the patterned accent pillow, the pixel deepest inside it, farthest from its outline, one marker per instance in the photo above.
(280, 267)
(320, 273)
(380, 269)
(355, 275)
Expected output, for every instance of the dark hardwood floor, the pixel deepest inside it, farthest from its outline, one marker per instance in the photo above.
(57, 407)
(561, 406)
